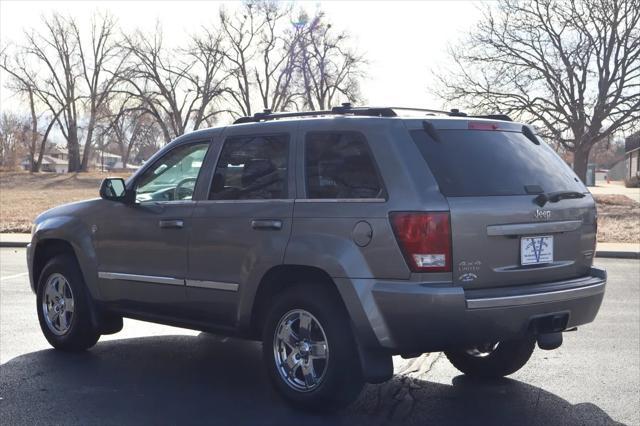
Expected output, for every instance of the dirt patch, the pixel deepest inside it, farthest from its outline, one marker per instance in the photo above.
(618, 219)
(24, 195)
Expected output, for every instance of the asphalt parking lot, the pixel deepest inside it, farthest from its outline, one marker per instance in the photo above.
(151, 374)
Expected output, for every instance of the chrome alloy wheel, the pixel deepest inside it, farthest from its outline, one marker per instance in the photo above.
(483, 350)
(300, 350)
(58, 304)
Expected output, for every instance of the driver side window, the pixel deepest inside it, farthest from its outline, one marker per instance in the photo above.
(173, 177)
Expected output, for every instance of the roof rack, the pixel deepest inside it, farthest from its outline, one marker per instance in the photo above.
(348, 109)
(344, 109)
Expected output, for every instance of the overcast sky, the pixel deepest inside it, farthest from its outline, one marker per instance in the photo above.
(403, 41)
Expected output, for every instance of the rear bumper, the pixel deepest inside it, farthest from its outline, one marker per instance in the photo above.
(407, 318)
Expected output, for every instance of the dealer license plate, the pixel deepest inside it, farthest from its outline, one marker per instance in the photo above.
(535, 250)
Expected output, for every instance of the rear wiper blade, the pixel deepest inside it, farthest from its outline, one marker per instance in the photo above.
(554, 197)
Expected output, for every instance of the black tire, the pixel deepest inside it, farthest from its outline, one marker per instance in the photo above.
(342, 380)
(507, 358)
(79, 334)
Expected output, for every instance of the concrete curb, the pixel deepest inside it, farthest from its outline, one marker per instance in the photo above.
(599, 253)
(13, 244)
(618, 254)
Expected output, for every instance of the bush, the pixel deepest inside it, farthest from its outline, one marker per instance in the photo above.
(632, 182)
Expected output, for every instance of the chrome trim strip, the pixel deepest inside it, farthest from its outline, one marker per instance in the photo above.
(528, 299)
(140, 278)
(277, 200)
(299, 200)
(212, 285)
(533, 228)
(340, 200)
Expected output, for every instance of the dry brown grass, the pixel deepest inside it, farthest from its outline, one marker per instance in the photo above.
(25, 195)
(618, 219)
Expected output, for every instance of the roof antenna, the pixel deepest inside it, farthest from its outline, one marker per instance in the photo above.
(455, 112)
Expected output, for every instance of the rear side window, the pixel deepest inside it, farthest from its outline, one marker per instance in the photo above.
(251, 168)
(469, 163)
(339, 165)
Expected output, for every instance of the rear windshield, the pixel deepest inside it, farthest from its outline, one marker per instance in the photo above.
(469, 163)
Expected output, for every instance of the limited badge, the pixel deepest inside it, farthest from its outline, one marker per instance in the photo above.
(468, 270)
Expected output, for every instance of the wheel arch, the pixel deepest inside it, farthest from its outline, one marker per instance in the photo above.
(47, 249)
(376, 363)
(278, 279)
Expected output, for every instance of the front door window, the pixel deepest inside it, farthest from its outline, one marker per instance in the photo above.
(174, 176)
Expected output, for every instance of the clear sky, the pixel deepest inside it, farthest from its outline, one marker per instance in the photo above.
(403, 40)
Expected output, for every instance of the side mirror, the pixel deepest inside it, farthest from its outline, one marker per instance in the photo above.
(114, 189)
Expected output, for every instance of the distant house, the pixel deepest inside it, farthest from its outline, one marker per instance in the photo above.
(50, 164)
(56, 160)
(632, 159)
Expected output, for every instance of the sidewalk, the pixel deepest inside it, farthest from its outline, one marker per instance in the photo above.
(615, 250)
(618, 250)
(14, 240)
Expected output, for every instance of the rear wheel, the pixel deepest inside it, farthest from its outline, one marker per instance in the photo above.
(491, 360)
(309, 349)
(63, 309)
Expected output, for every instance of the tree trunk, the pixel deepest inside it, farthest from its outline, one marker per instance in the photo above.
(73, 147)
(43, 142)
(86, 155)
(580, 162)
(34, 133)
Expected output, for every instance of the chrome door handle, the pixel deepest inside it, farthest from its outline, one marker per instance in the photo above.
(266, 224)
(171, 223)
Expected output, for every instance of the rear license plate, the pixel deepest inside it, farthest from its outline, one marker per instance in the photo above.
(536, 250)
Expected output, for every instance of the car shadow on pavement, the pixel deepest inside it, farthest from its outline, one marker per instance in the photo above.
(211, 380)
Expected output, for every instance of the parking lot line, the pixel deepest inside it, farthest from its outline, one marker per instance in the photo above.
(10, 277)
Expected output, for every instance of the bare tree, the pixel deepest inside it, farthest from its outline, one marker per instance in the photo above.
(21, 83)
(261, 50)
(178, 87)
(329, 68)
(73, 78)
(572, 67)
(56, 52)
(129, 127)
(14, 134)
(101, 68)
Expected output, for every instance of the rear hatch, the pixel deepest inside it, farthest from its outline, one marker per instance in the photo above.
(519, 215)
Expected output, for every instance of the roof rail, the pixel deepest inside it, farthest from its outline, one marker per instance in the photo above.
(456, 113)
(348, 109)
(344, 109)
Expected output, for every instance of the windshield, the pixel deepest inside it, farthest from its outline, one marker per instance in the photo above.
(469, 163)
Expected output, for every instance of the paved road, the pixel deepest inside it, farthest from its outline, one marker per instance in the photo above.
(150, 374)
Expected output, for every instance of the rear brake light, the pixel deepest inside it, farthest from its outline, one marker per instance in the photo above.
(477, 125)
(425, 240)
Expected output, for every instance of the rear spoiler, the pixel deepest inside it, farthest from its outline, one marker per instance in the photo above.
(501, 117)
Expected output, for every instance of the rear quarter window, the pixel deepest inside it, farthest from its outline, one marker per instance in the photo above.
(469, 163)
(339, 165)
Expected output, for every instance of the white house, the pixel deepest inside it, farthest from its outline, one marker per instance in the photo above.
(632, 159)
(56, 160)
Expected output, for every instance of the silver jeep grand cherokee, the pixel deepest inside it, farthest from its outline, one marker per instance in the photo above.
(339, 238)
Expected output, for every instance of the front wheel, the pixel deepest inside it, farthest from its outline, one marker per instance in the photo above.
(309, 349)
(63, 309)
(492, 360)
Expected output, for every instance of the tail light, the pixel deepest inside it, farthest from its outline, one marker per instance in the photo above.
(425, 240)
